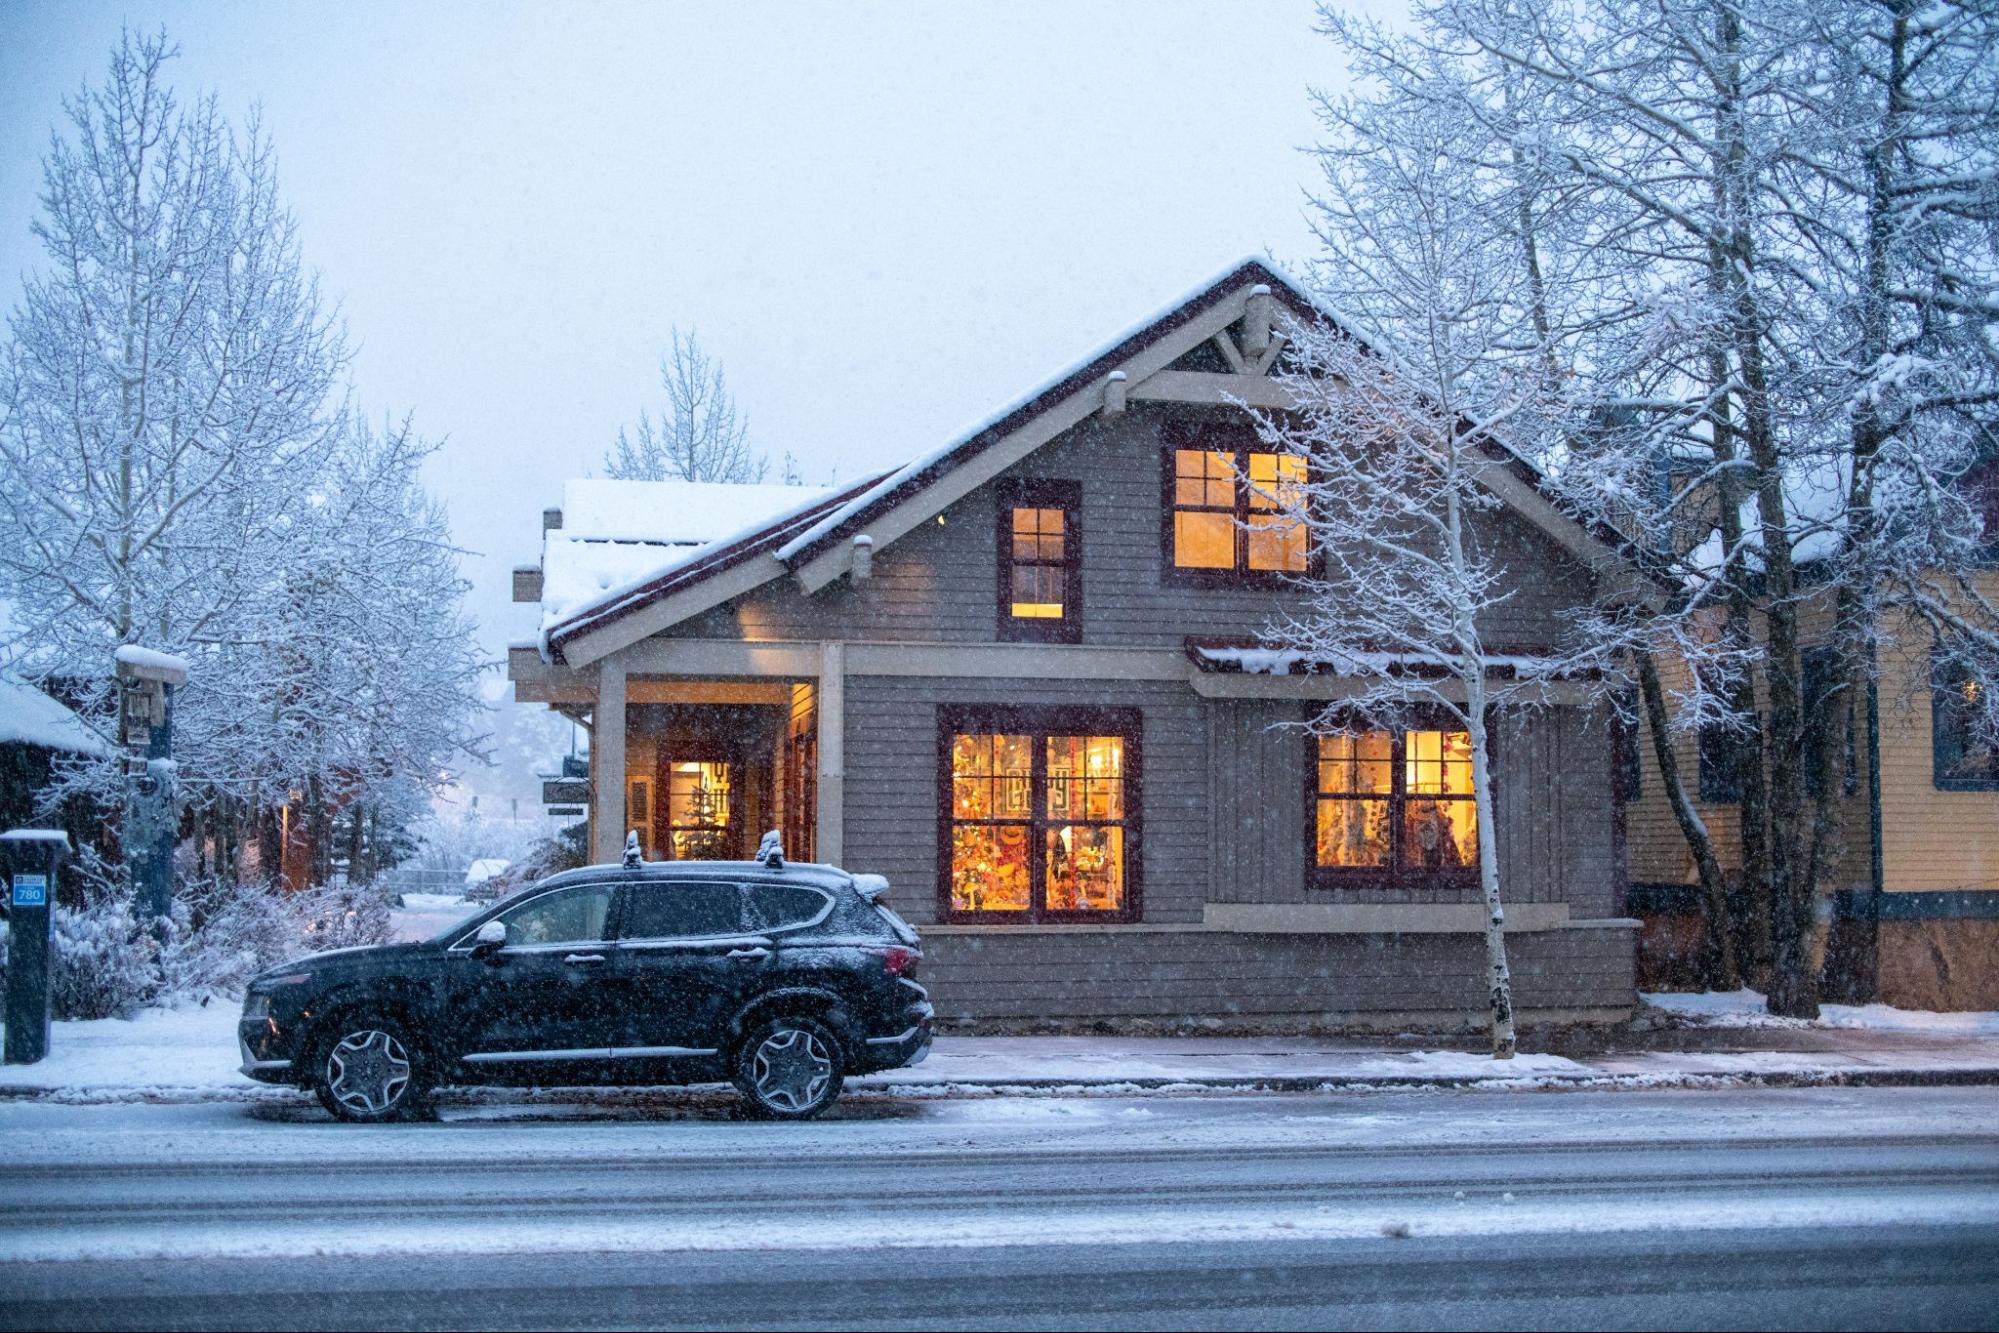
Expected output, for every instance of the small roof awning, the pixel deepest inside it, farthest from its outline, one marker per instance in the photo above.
(1256, 659)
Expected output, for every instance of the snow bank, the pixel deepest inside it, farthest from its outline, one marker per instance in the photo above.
(1746, 1008)
(30, 717)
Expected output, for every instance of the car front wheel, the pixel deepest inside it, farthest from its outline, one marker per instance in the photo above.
(370, 1070)
(789, 1069)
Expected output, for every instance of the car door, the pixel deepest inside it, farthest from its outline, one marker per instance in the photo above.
(546, 994)
(685, 962)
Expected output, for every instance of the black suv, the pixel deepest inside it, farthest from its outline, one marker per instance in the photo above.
(781, 979)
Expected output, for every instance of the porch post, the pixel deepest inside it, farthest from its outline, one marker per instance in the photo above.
(831, 815)
(607, 762)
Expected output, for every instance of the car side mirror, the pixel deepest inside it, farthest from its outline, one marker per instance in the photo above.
(492, 937)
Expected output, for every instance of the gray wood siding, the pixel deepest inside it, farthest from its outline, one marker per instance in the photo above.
(939, 583)
(1200, 975)
(891, 784)
(1224, 797)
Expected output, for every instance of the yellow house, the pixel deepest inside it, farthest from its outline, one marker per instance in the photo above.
(1917, 908)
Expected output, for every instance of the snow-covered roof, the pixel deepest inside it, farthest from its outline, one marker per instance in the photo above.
(1255, 660)
(672, 512)
(583, 589)
(619, 536)
(30, 717)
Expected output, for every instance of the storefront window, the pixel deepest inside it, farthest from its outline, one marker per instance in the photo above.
(1039, 823)
(1394, 806)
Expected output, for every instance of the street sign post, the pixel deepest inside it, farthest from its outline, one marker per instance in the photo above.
(30, 859)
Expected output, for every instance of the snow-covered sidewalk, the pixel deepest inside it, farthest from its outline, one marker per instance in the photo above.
(189, 1055)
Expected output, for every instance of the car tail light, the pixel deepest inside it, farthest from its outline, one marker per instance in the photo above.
(899, 960)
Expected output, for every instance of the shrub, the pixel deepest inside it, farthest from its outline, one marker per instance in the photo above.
(104, 964)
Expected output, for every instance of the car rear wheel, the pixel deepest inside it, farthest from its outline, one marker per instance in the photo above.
(370, 1070)
(789, 1069)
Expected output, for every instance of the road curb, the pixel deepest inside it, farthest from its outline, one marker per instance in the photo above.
(946, 1089)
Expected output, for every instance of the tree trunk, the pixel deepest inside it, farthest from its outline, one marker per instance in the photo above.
(1718, 967)
(1499, 979)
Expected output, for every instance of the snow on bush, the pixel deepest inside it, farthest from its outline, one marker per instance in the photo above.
(225, 933)
(108, 964)
(105, 964)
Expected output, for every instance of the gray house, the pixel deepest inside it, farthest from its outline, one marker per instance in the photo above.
(1013, 677)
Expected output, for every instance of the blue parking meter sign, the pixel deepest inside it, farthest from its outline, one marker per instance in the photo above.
(31, 890)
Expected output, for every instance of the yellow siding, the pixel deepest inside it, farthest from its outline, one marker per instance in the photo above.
(1930, 839)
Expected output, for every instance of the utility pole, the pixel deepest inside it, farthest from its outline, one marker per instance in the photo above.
(147, 681)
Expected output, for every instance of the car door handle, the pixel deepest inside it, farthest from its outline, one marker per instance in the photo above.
(749, 953)
(584, 958)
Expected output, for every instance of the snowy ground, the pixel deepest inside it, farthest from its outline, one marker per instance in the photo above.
(191, 1055)
(426, 915)
(1746, 1008)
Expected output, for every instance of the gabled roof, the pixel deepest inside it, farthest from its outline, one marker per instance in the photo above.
(809, 541)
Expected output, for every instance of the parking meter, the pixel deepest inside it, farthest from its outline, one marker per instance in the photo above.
(31, 859)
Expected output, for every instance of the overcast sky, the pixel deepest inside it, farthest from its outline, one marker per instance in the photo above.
(885, 220)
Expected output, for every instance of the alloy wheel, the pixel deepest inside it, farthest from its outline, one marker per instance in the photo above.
(791, 1069)
(367, 1071)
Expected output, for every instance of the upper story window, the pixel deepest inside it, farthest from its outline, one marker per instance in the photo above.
(1393, 807)
(1040, 561)
(1227, 503)
(1964, 755)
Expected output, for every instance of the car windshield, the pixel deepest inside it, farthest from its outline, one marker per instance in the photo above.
(441, 921)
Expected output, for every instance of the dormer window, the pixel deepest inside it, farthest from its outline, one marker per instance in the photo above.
(1040, 561)
(1226, 503)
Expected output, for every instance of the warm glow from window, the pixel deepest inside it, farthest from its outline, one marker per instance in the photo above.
(1225, 521)
(1077, 831)
(1401, 802)
(698, 811)
(1038, 563)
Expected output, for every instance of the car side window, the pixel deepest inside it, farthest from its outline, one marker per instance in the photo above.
(682, 911)
(567, 916)
(779, 906)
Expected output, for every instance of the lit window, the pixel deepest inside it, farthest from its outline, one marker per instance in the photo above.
(1231, 508)
(1040, 561)
(1039, 822)
(1964, 741)
(698, 811)
(1394, 805)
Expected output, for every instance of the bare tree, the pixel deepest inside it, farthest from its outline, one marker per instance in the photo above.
(699, 436)
(1404, 416)
(1792, 208)
(181, 469)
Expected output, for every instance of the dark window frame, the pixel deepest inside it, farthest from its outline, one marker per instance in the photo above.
(1948, 739)
(1239, 442)
(1040, 723)
(1038, 493)
(1395, 875)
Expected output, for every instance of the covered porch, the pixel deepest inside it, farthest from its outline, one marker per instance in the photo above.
(700, 766)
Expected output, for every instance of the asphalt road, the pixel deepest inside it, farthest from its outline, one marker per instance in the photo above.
(1788, 1209)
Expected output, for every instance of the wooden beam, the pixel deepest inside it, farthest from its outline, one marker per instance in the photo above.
(831, 816)
(1229, 353)
(607, 766)
(1195, 386)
